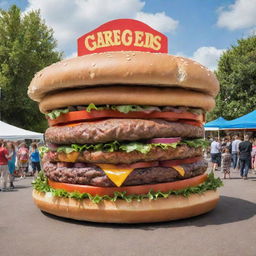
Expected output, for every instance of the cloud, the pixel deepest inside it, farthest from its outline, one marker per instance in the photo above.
(208, 56)
(72, 55)
(159, 21)
(252, 32)
(71, 19)
(240, 15)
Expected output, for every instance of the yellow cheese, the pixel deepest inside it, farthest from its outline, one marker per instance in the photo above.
(71, 157)
(179, 169)
(117, 175)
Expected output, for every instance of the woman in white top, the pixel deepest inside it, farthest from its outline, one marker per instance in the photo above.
(215, 154)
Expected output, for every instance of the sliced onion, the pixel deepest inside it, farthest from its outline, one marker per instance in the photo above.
(165, 140)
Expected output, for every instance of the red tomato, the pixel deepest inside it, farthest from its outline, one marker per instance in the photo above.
(138, 190)
(170, 163)
(79, 116)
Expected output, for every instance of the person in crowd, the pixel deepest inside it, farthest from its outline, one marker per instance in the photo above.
(229, 144)
(4, 155)
(23, 157)
(11, 162)
(235, 151)
(215, 154)
(224, 144)
(245, 149)
(35, 158)
(226, 162)
(253, 156)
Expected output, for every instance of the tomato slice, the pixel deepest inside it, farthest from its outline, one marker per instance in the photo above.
(137, 190)
(82, 115)
(170, 163)
(195, 123)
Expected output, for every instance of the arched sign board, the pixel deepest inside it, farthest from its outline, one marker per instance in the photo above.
(122, 35)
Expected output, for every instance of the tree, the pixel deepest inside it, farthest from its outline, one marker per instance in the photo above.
(237, 76)
(26, 46)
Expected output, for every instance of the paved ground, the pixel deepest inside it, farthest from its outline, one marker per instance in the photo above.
(228, 230)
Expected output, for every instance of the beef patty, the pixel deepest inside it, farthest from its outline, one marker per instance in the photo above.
(94, 176)
(120, 130)
(119, 157)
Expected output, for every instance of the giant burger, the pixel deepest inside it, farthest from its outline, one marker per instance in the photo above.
(125, 142)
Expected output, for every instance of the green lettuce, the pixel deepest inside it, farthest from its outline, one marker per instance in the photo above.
(130, 108)
(56, 113)
(42, 150)
(91, 107)
(115, 146)
(121, 108)
(197, 143)
(41, 184)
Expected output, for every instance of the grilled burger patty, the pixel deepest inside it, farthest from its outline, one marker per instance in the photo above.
(93, 175)
(120, 130)
(119, 157)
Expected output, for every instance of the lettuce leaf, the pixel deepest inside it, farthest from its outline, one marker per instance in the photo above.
(41, 184)
(115, 146)
(130, 108)
(56, 113)
(42, 150)
(91, 107)
(122, 108)
(197, 143)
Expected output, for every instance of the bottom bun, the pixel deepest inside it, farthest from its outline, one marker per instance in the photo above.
(120, 211)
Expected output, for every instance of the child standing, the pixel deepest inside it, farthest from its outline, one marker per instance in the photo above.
(226, 162)
(35, 159)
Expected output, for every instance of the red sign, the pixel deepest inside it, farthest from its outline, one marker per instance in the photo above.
(122, 35)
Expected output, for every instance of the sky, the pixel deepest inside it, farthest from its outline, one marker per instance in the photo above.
(197, 29)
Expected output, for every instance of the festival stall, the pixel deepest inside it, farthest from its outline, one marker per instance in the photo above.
(10, 132)
(215, 125)
(246, 122)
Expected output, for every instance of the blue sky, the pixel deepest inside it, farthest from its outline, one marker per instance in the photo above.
(199, 29)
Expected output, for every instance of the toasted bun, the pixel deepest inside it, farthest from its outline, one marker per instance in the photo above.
(134, 68)
(162, 209)
(127, 95)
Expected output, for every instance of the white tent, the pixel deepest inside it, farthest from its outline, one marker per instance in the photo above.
(10, 132)
(211, 129)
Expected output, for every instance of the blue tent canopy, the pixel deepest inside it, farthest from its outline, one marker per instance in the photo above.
(217, 123)
(247, 121)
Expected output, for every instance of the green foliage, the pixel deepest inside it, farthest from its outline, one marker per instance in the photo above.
(237, 75)
(26, 46)
(41, 185)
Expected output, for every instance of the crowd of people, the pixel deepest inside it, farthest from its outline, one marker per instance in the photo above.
(237, 153)
(17, 160)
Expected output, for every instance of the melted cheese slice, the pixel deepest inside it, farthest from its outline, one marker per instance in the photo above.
(179, 169)
(117, 175)
(71, 157)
